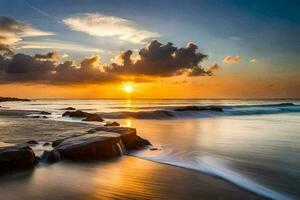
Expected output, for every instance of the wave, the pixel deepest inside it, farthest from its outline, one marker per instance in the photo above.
(173, 112)
(210, 166)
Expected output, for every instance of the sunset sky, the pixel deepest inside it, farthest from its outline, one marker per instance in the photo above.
(161, 48)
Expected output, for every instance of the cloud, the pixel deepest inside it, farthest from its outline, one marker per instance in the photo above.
(232, 59)
(12, 31)
(155, 60)
(24, 68)
(51, 55)
(100, 25)
(159, 59)
(200, 71)
(253, 60)
(58, 45)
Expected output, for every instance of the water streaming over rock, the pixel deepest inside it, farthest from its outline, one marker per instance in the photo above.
(121, 147)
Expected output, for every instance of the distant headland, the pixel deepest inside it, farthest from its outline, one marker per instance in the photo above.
(2, 99)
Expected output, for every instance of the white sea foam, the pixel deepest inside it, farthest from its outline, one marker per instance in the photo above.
(209, 165)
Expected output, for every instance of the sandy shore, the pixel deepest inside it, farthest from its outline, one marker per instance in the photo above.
(123, 178)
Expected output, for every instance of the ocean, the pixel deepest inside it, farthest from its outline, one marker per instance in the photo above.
(254, 144)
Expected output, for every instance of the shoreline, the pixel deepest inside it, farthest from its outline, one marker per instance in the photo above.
(18, 115)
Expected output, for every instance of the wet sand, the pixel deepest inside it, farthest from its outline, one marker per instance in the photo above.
(123, 178)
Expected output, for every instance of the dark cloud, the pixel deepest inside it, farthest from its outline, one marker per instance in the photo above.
(155, 60)
(25, 68)
(200, 71)
(5, 49)
(51, 55)
(158, 59)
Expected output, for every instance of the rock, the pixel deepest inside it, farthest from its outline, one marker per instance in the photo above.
(129, 137)
(112, 124)
(36, 160)
(91, 131)
(45, 117)
(45, 113)
(199, 108)
(93, 118)
(69, 108)
(101, 142)
(86, 147)
(153, 149)
(85, 115)
(57, 142)
(46, 144)
(32, 142)
(35, 117)
(16, 158)
(77, 113)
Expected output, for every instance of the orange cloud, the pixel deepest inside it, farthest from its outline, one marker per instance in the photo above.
(232, 59)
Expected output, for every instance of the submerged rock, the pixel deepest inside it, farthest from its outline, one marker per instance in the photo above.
(35, 117)
(112, 124)
(16, 158)
(32, 142)
(46, 144)
(199, 108)
(45, 113)
(85, 115)
(68, 108)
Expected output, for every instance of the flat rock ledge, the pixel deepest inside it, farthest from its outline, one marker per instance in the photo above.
(98, 143)
(16, 158)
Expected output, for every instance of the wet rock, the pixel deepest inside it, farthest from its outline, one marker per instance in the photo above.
(46, 144)
(101, 142)
(86, 147)
(45, 113)
(35, 117)
(130, 139)
(199, 108)
(91, 131)
(77, 113)
(16, 158)
(93, 118)
(112, 124)
(69, 108)
(32, 142)
(57, 142)
(36, 160)
(85, 115)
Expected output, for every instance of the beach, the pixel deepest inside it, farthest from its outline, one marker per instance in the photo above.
(203, 154)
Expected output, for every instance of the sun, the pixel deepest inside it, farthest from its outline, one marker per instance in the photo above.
(128, 88)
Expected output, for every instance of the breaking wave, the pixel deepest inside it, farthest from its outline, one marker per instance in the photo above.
(173, 112)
